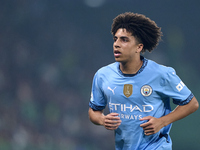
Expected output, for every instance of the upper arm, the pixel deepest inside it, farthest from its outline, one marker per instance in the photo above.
(174, 87)
(97, 100)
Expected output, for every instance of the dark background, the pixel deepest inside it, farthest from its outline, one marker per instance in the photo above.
(49, 52)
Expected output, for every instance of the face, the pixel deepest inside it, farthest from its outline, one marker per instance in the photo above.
(125, 46)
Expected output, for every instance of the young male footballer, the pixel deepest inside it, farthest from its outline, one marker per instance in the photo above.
(138, 90)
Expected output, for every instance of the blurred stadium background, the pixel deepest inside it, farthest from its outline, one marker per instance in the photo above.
(49, 52)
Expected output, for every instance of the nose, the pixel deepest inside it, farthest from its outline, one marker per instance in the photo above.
(116, 44)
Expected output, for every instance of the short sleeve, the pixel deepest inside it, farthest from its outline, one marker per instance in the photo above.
(97, 100)
(175, 88)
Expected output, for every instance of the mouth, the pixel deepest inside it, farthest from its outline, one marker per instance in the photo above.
(117, 53)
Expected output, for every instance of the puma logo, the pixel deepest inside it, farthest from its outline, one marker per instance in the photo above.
(112, 90)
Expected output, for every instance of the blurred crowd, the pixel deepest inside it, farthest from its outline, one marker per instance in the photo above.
(44, 84)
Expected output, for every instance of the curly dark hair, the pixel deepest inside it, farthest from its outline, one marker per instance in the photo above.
(142, 28)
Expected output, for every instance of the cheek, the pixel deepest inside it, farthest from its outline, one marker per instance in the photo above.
(129, 49)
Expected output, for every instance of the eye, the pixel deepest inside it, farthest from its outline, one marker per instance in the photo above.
(125, 39)
(115, 39)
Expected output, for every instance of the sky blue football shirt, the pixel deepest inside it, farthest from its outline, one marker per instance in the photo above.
(146, 93)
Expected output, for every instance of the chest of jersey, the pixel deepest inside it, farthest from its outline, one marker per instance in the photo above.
(132, 95)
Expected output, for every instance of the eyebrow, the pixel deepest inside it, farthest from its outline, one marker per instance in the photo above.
(121, 37)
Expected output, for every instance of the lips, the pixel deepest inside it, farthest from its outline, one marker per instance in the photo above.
(117, 53)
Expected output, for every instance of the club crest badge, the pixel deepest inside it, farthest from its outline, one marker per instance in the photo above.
(146, 90)
(128, 90)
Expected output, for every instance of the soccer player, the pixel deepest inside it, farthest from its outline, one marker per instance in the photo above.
(138, 90)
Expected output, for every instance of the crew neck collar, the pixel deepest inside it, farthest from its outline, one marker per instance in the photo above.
(145, 61)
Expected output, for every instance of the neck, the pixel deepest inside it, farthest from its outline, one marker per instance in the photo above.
(131, 67)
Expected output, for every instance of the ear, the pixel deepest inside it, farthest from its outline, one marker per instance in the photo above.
(139, 47)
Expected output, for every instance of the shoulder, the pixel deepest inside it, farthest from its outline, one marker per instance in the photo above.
(161, 69)
(163, 74)
(107, 69)
(104, 73)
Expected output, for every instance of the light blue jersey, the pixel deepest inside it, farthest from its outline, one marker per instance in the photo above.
(146, 93)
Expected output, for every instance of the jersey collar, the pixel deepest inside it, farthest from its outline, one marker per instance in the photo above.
(145, 61)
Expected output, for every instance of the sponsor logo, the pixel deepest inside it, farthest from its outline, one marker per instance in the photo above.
(124, 107)
(130, 117)
(112, 90)
(128, 90)
(180, 86)
(146, 90)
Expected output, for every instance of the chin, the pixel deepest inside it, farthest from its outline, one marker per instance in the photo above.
(118, 59)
